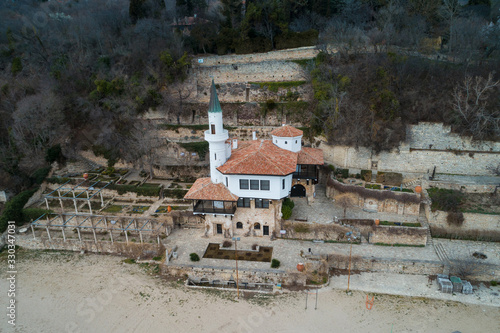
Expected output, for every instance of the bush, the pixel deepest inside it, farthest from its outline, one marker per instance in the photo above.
(54, 153)
(14, 209)
(455, 218)
(194, 257)
(30, 214)
(286, 212)
(275, 263)
(443, 199)
(254, 246)
(494, 283)
(389, 178)
(289, 203)
(227, 243)
(343, 173)
(201, 148)
(39, 175)
(366, 175)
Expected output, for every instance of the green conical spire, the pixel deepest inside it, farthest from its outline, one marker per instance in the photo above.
(214, 105)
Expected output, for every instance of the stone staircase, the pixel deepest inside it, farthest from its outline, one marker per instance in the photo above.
(412, 182)
(422, 219)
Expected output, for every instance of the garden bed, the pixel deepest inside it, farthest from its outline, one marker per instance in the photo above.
(214, 251)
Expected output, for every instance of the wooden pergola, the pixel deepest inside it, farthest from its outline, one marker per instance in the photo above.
(99, 223)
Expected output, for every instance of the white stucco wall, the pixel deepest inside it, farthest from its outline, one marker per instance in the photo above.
(292, 144)
(275, 192)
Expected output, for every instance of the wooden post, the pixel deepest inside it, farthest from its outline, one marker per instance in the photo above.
(102, 200)
(140, 235)
(349, 276)
(48, 234)
(237, 279)
(64, 235)
(47, 203)
(33, 231)
(79, 236)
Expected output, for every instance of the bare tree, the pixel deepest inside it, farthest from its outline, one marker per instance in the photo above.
(345, 200)
(449, 11)
(471, 101)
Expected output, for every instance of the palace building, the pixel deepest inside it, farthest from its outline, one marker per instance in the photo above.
(250, 179)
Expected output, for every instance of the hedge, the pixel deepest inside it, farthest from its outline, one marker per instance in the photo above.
(30, 214)
(14, 209)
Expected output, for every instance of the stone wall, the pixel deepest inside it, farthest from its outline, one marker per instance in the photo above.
(427, 145)
(306, 52)
(398, 235)
(314, 231)
(198, 272)
(133, 250)
(472, 221)
(370, 203)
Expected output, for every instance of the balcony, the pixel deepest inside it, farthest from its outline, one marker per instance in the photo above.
(306, 172)
(214, 207)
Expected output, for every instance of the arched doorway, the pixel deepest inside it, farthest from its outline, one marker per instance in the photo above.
(298, 191)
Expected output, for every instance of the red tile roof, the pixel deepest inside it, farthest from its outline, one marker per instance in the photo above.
(310, 156)
(204, 189)
(287, 132)
(260, 158)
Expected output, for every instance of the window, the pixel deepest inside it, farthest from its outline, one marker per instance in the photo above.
(215, 156)
(283, 184)
(295, 141)
(227, 183)
(212, 127)
(243, 184)
(286, 142)
(256, 226)
(254, 184)
(244, 202)
(264, 185)
(239, 225)
(261, 203)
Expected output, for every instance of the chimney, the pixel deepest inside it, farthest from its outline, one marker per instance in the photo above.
(254, 135)
(235, 143)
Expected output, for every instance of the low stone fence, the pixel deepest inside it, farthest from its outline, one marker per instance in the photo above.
(133, 250)
(210, 273)
(314, 231)
(391, 235)
(383, 265)
(398, 235)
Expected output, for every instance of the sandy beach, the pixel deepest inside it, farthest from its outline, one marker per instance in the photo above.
(69, 292)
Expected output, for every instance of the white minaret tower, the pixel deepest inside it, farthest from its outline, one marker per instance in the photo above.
(216, 136)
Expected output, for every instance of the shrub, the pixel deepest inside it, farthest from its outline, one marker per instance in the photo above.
(54, 153)
(289, 203)
(366, 175)
(455, 218)
(254, 246)
(227, 243)
(194, 257)
(286, 211)
(201, 148)
(39, 175)
(13, 210)
(343, 173)
(494, 283)
(17, 65)
(275, 263)
(443, 199)
(34, 213)
(389, 178)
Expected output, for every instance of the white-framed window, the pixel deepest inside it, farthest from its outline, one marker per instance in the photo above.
(254, 184)
(264, 185)
(244, 184)
(283, 184)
